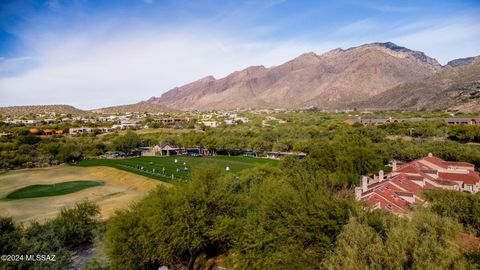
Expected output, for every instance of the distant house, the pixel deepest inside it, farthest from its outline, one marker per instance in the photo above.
(242, 119)
(400, 190)
(197, 151)
(229, 122)
(124, 124)
(163, 150)
(212, 124)
(29, 122)
(35, 131)
(104, 129)
(381, 121)
(279, 155)
(173, 121)
(462, 121)
(80, 130)
(47, 132)
(6, 135)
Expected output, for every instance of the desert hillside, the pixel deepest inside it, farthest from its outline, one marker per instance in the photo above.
(456, 87)
(137, 107)
(40, 109)
(328, 80)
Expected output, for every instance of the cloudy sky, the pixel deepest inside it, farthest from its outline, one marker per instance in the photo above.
(99, 53)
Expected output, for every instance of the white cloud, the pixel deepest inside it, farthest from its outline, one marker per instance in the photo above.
(445, 40)
(90, 73)
(93, 68)
(358, 27)
(13, 65)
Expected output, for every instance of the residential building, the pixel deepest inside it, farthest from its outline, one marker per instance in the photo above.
(172, 121)
(382, 121)
(213, 124)
(229, 122)
(80, 130)
(242, 119)
(400, 190)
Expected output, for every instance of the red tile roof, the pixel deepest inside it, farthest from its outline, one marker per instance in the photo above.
(407, 169)
(470, 178)
(387, 202)
(445, 182)
(436, 161)
(461, 164)
(405, 182)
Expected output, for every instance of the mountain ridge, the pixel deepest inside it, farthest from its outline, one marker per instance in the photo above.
(327, 80)
(41, 109)
(136, 107)
(455, 88)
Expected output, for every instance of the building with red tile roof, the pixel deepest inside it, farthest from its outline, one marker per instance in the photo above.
(400, 190)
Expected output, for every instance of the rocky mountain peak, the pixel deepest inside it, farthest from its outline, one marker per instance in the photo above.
(309, 56)
(327, 80)
(462, 61)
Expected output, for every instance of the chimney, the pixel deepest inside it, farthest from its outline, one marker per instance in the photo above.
(430, 155)
(394, 165)
(381, 175)
(358, 193)
(364, 184)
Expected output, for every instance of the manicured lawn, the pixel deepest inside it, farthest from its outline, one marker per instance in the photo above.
(35, 191)
(272, 123)
(162, 168)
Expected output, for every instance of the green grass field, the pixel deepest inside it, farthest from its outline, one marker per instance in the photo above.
(162, 168)
(35, 191)
(272, 123)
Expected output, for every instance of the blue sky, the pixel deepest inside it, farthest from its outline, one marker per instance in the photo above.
(98, 53)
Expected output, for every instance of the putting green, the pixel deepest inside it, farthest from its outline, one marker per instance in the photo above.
(36, 191)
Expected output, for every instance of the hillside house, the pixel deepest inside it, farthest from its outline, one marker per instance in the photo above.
(279, 155)
(381, 121)
(400, 190)
(6, 135)
(173, 121)
(212, 124)
(242, 119)
(47, 132)
(80, 130)
(104, 129)
(462, 121)
(125, 124)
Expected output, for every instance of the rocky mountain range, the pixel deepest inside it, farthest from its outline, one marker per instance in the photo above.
(372, 76)
(331, 80)
(455, 87)
(137, 107)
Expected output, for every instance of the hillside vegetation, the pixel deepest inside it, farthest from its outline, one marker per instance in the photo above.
(457, 88)
(40, 109)
(137, 107)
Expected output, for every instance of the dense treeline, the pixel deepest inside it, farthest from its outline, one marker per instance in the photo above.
(70, 231)
(307, 132)
(427, 241)
(26, 151)
(463, 207)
